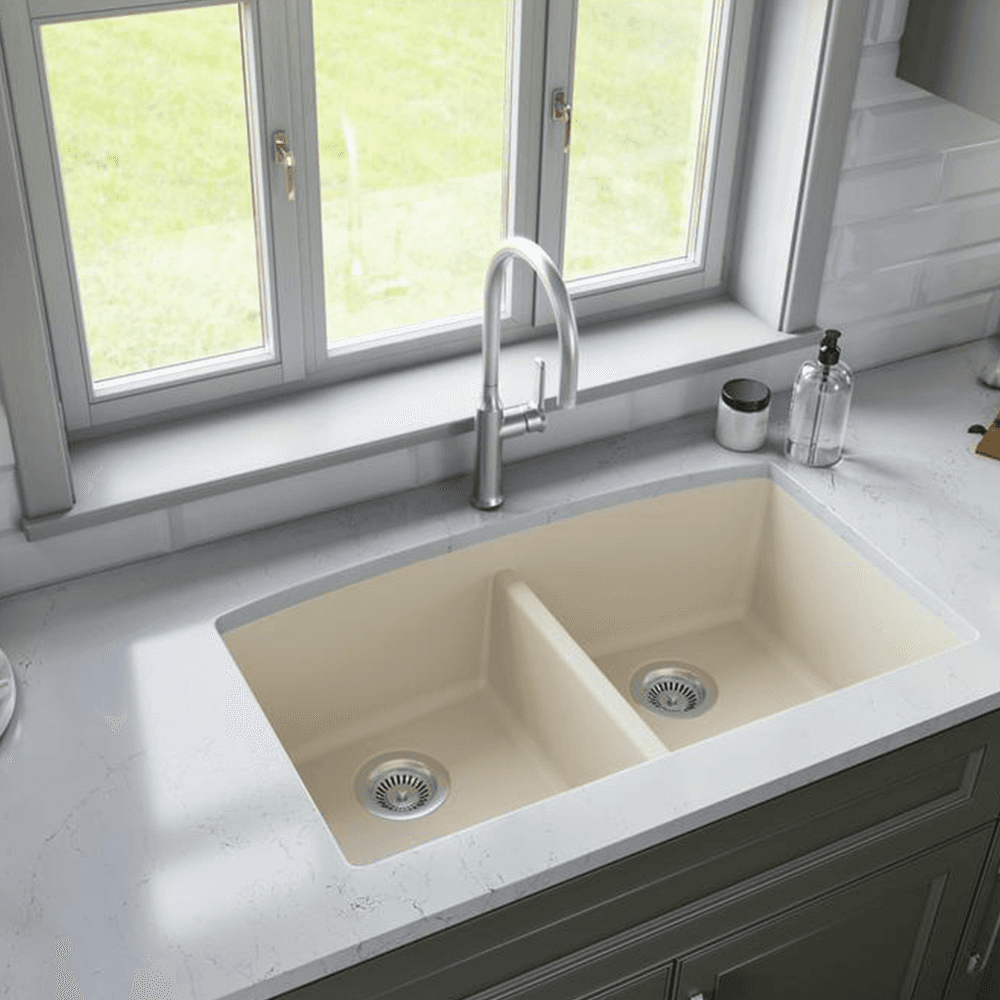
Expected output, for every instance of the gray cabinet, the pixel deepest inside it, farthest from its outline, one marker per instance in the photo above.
(891, 851)
(892, 934)
(975, 974)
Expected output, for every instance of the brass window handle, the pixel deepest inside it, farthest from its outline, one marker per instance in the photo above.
(562, 112)
(283, 157)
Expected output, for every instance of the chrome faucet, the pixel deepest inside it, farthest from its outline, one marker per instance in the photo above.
(493, 423)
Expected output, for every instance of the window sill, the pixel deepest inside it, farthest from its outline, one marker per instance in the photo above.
(258, 457)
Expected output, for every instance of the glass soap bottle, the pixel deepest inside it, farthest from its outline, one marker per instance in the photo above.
(821, 398)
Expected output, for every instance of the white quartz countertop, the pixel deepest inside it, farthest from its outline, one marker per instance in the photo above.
(155, 837)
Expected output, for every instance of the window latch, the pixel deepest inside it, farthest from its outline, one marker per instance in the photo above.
(562, 112)
(283, 157)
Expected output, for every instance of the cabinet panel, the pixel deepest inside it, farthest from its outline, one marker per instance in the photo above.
(890, 935)
(651, 987)
(621, 973)
(976, 972)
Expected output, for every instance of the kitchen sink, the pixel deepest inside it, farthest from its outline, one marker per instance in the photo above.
(459, 688)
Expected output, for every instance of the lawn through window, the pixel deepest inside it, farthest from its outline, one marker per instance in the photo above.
(639, 136)
(151, 128)
(410, 116)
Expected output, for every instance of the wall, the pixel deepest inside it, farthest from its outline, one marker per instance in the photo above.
(915, 246)
(10, 508)
(913, 265)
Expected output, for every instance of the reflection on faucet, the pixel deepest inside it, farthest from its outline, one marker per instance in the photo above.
(492, 422)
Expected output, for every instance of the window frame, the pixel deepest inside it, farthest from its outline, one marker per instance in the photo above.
(209, 380)
(40, 450)
(282, 82)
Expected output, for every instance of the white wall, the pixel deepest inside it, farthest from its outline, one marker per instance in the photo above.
(10, 508)
(914, 256)
(913, 265)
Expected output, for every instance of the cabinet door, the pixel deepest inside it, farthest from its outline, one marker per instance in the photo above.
(890, 935)
(976, 972)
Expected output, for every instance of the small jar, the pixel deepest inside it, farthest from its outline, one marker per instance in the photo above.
(741, 422)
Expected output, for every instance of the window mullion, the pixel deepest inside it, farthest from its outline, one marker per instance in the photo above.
(524, 128)
(302, 91)
(554, 167)
(269, 53)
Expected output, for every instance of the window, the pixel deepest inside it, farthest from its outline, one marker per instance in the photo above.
(231, 198)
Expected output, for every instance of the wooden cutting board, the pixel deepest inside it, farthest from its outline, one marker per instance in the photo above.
(990, 443)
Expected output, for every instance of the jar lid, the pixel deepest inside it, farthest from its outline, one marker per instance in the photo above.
(746, 395)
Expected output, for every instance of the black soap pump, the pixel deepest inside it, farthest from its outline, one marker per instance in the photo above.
(821, 399)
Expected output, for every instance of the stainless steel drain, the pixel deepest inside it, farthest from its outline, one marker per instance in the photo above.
(401, 785)
(674, 689)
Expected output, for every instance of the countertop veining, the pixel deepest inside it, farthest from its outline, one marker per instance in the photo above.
(153, 833)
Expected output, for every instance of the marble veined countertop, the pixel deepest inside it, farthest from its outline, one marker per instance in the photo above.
(156, 841)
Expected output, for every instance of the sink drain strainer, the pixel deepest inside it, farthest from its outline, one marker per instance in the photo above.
(674, 689)
(401, 785)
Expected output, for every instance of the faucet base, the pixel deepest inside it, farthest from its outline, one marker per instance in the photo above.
(490, 503)
(486, 492)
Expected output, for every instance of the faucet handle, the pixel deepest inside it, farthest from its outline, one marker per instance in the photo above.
(534, 416)
(539, 385)
(527, 417)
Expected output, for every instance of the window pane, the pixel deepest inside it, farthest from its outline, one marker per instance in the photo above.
(150, 123)
(639, 85)
(410, 109)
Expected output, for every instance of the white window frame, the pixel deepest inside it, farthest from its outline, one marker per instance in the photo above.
(279, 51)
(279, 361)
(798, 97)
(656, 283)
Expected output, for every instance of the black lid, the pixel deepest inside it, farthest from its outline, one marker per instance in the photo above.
(746, 395)
(829, 352)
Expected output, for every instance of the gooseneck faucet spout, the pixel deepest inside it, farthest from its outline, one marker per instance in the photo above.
(493, 423)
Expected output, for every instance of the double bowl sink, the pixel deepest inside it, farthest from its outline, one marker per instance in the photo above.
(454, 690)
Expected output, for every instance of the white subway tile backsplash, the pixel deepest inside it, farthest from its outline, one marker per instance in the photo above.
(873, 192)
(25, 564)
(6, 448)
(590, 421)
(868, 246)
(872, 24)
(444, 458)
(916, 128)
(891, 338)
(886, 20)
(874, 293)
(973, 270)
(657, 404)
(993, 315)
(833, 254)
(660, 403)
(877, 81)
(270, 503)
(10, 504)
(852, 140)
(969, 171)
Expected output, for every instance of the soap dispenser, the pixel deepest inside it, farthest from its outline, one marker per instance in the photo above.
(821, 398)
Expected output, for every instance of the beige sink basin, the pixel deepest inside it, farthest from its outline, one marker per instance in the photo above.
(448, 660)
(508, 667)
(741, 582)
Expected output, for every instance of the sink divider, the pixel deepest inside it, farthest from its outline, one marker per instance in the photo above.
(554, 689)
